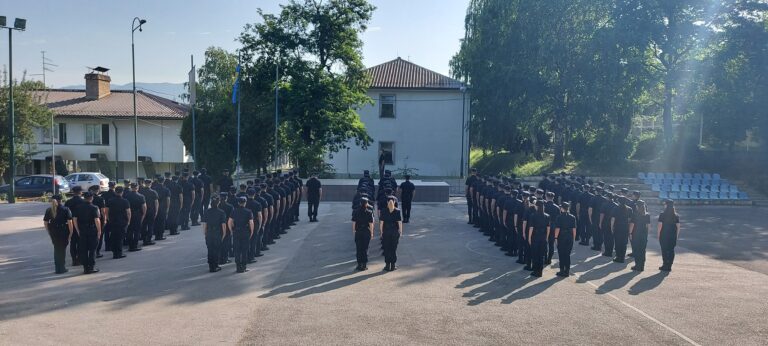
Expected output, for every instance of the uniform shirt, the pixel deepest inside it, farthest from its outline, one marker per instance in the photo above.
(98, 202)
(539, 222)
(669, 223)
(137, 201)
(470, 181)
(227, 208)
(313, 188)
(58, 223)
(198, 184)
(240, 217)
(641, 222)
(86, 213)
(510, 206)
(407, 189)
(622, 214)
(107, 195)
(224, 183)
(150, 196)
(356, 200)
(255, 207)
(187, 189)
(213, 218)
(584, 202)
(268, 198)
(596, 203)
(390, 219)
(73, 203)
(606, 209)
(175, 190)
(552, 209)
(362, 219)
(566, 223)
(162, 196)
(118, 207)
(206, 179)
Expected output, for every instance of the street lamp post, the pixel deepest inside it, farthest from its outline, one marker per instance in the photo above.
(463, 129)
(134, 27)
(20, 25)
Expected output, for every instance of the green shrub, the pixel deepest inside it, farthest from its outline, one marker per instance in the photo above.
(648, 147)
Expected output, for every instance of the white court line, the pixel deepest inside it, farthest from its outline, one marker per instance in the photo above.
(641, 312)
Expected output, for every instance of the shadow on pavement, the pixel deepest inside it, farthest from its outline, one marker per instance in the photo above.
(648, 283)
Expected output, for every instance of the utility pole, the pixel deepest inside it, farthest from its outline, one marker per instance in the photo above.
(19, 24)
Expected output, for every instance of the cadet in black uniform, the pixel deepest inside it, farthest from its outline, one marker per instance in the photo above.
(197, 202)
(583, 220)
(596, 204)
(314, 194)
(152, 199)
(469, 192)
(99, 203)
(255, 207)
(72, 204)
(638, 231)
(105, 231)
(522, 236)
(118, 218)
(362, 228)
(606, 211)
(668, 232)
(58, 223)
(87, 222)
(225, 181)
(188, 189)
(407, 193)
(206, 179)
(177, 195)
(226, 243)
(264, 216)
(391, 229)
(138, 213)
(565, 232)
(267, 229)
(620, 218)
(164, 202)
(511, 215)
(241, 224)
(553, 210)
(214, 228)
(368, 182)
(538, 232)
(298, 184)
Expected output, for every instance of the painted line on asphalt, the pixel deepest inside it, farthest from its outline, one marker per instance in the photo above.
(644, 314)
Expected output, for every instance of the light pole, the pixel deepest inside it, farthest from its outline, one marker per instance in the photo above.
(20, 25)
(463, 128)
(135, 117)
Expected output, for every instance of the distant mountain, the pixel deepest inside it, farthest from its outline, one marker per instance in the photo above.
(170, 91)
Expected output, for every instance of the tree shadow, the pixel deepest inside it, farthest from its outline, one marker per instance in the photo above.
(648, 283)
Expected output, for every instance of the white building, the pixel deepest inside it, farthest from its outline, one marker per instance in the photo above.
(417, 115)
(94, 131)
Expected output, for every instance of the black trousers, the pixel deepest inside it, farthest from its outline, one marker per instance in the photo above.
(186, 208)
(391, 239)
(470, 209)
(88, 242)
(134, 231)
(583, 228)
(406, 206)
(564, 248)
(550, 245)
(597, 234)
(621, 237)
(312, 205)
(538, 254)
(101, 238)
(607, 239)
(60, 252)
(668, 243)
(116, 239)
(522, 245)
(148, 226)
(213, 243)
(241, 242)
(254, 245)
(226, 249)
(639, 242)
(196, 209)
(74, 248)
(362, 240)
(205, 202)
(512, 239)
(172, 221)
(159, 227)
(296, 207)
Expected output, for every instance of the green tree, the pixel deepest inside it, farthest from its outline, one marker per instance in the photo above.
(318, 49)
(30, 112)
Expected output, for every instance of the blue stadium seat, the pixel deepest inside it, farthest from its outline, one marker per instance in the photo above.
(684, 196)
(695, 188)
(733, 188)
(706, 176)
(686, 181)
(677, 181)
(685, 188)
(705, 195)
(663, 195)
(669, 176)
(687, 176)
(641, 176)
(715, 176)
(675, 188)
(694, 196)
(697, 176)
(656, 187)
(733, 195)
(650, 175)
(678, 175)
(696, 181)
(674, 195)
(743, 195)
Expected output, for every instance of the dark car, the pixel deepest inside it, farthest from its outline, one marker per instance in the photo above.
(38, 185)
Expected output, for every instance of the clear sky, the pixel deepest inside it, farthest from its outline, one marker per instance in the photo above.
(80, 33)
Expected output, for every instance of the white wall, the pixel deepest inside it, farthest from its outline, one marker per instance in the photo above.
(427, 131)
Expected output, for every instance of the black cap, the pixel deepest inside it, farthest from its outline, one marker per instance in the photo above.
(134, 185)
(565, 205)
(250, 192)
(241, 200)
(539, 203)
(112, 183)
(611, 187)
(87, 194)
(232, 189)
(119, 189)
(77, 188)
(640, 203)
(185, 175)
(140, 179)
(94, 188)
(407, 176)
(624, 189)
(147, 181)
(636, 193)
(669, 202)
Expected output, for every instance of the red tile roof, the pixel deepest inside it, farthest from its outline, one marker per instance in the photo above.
(118, 104)
(401, 74)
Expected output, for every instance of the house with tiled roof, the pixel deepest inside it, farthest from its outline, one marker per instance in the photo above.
(94, 132)
(417, 120)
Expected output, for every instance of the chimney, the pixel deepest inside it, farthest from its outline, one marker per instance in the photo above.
(96, 85)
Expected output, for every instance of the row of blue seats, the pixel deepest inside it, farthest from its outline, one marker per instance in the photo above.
(694, 188)
(706, 176)
(703, 195)
(684, 181)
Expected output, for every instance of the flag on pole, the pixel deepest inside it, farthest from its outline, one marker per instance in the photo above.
(236, 86)
(192, 87)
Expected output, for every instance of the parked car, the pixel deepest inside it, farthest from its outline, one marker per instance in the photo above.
(88, 179)
(37, 185)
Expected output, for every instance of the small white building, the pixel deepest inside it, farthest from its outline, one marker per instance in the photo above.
(94, 131)
(418, 116)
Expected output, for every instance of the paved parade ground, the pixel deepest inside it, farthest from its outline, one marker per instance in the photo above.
(453, 287)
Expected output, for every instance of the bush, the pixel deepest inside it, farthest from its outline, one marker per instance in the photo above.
(648, 147)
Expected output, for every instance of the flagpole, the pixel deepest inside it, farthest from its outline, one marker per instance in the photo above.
(237, 99)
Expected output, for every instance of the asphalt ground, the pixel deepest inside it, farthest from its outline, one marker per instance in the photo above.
(452, 287)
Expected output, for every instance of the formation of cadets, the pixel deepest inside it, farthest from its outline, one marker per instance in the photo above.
(237, 223)
(531, 222)
(380, 198)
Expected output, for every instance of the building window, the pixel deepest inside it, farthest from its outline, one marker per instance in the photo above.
(62, 133)
(59, 134)
(97, 134)
(386, 106)
(387, 149)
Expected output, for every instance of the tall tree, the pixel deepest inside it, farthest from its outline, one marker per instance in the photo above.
(30, 113)
(318, 49)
